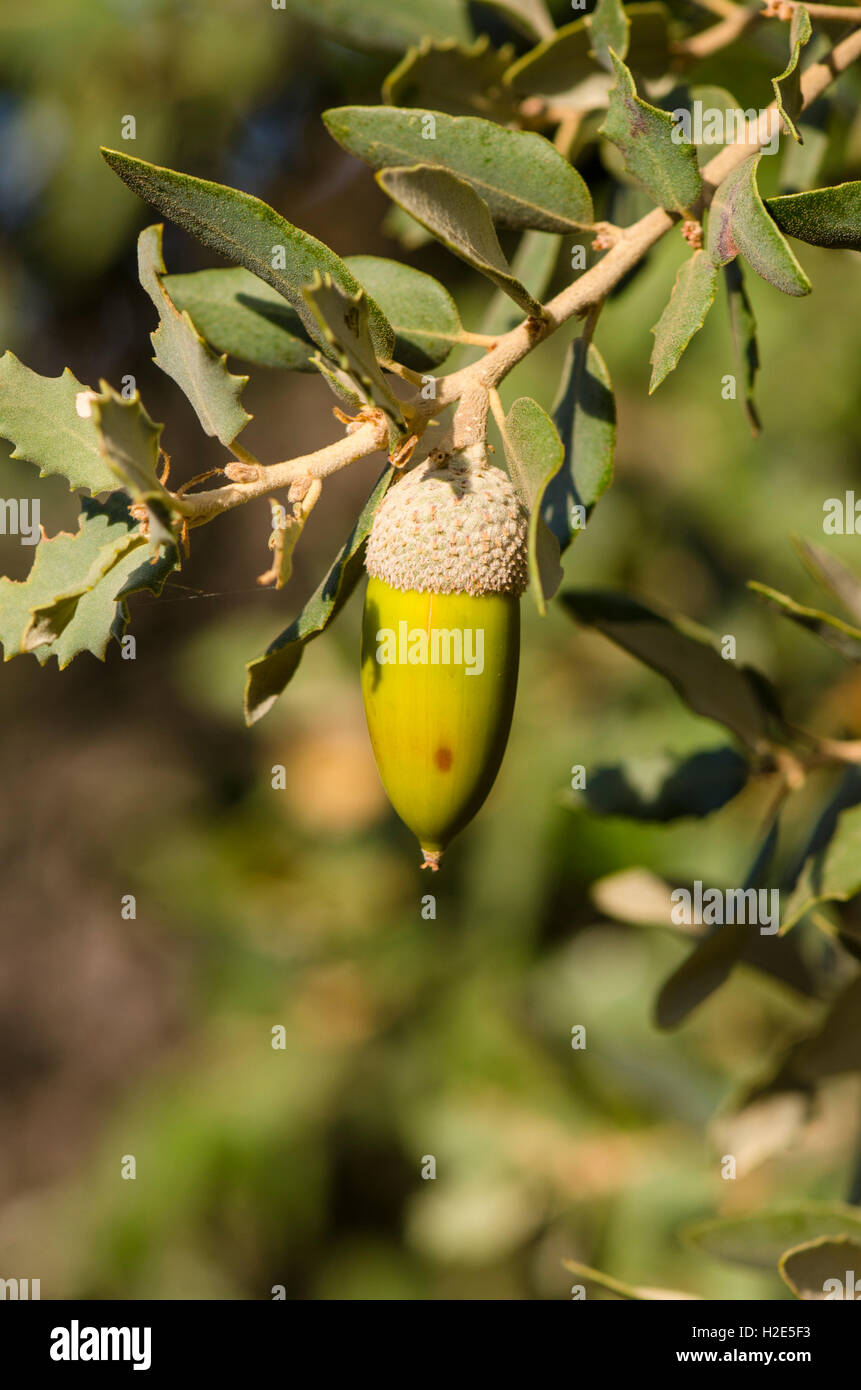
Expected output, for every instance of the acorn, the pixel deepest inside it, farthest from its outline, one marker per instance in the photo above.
(446, 560)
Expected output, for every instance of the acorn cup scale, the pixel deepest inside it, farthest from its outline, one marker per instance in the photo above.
(441, 641)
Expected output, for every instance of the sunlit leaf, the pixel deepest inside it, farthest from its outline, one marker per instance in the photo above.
(534, 452)
(787, 87)
(690, 300)
(740, 223)
(644, 134)
(38, 415)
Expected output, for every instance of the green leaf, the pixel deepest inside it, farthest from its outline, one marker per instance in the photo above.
(759, 1239)
(72, 598)
(690, 300)
(182, 354)
(270, 674)
(531, 17)
(129, 442)
(343, 320)
(248, 232)
(521, 177)
(240, 314)
(736, 696)
(843, 637)
(822, 217)
(836, 1048)
(832, 575)
(787, 87)
(644, 134)
(585, 416)
(451, 209)
(700, 974)
(666, 788)
(534, 452)
(832, 874)
(38, 415)
(423, 314)
(743, 332)
(385, 24)
(808, 1268)
(739, 223)
(461, 79)
(556, 65)
(533, 263)
(609, 27)
(608, 1284)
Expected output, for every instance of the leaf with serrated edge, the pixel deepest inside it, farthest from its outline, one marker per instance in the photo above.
(240, 314)
(743, 332)
(343, 319)
(690, 300)
(832, 874)
(609, 27)
(585, 415)
(269, 674)
(38, 415)
(183, 354)
(534, 452)
(758, 1239)
(836, 633)
(644, 134)
(461, 79)
(522, 178)
(822, 217)
(421, 311)
(739, 223)
(807, 1269)
(787, 87)
(249, 233)
(451, 209)
(129, 443)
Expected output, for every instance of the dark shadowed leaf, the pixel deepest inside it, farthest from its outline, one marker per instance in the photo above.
(461, 79)
(183, 354)
(733, 695)
(250, 233)
(533, 451)
(386, 24)
(343, 320)
(129, 442)
(739, 223)
(759, 1239)
(270, 674)
(38, 415)
(521, 177)
(820, 1269)
(451, 209)
(585, 416)
(531, 17)
(665, 788)
(832, 873)
(822, 217)
(787, 87)
(644, 134)
(690, 300)
(708, 966)
(556, 64)
(743, 331)
(834, 632)
(240, 314)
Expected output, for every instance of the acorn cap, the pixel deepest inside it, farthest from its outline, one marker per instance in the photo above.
(456, 529)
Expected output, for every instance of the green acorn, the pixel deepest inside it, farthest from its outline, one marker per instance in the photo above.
(441, 640)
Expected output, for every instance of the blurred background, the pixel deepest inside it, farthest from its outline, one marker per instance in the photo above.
(255, 908)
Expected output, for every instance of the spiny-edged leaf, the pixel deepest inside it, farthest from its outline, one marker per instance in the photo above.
(787, 87)
(521, 177)
(38, 416)
(680, 651)
(833, 575)
(341, 382)
(843, 637)
(270, 673)
(822, 217)
(743, 332)
(248, 232)
(533, 264)
(585, 415)
(423, 314)
(343, 320)
(690, 300)
(183, 354)
(832, 874)
(819, 1269)
(609, 27)
(129, 443)
(240, 314)
(462, 79)
(69, 601)
(385, 24)
(531, 17)
(586, 1275)
(451, 209)
(644, 134)
(759, 1238)
(739, 223)
(534, 452)
(667, 788)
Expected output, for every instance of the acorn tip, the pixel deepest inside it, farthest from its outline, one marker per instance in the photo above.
(431, 859)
